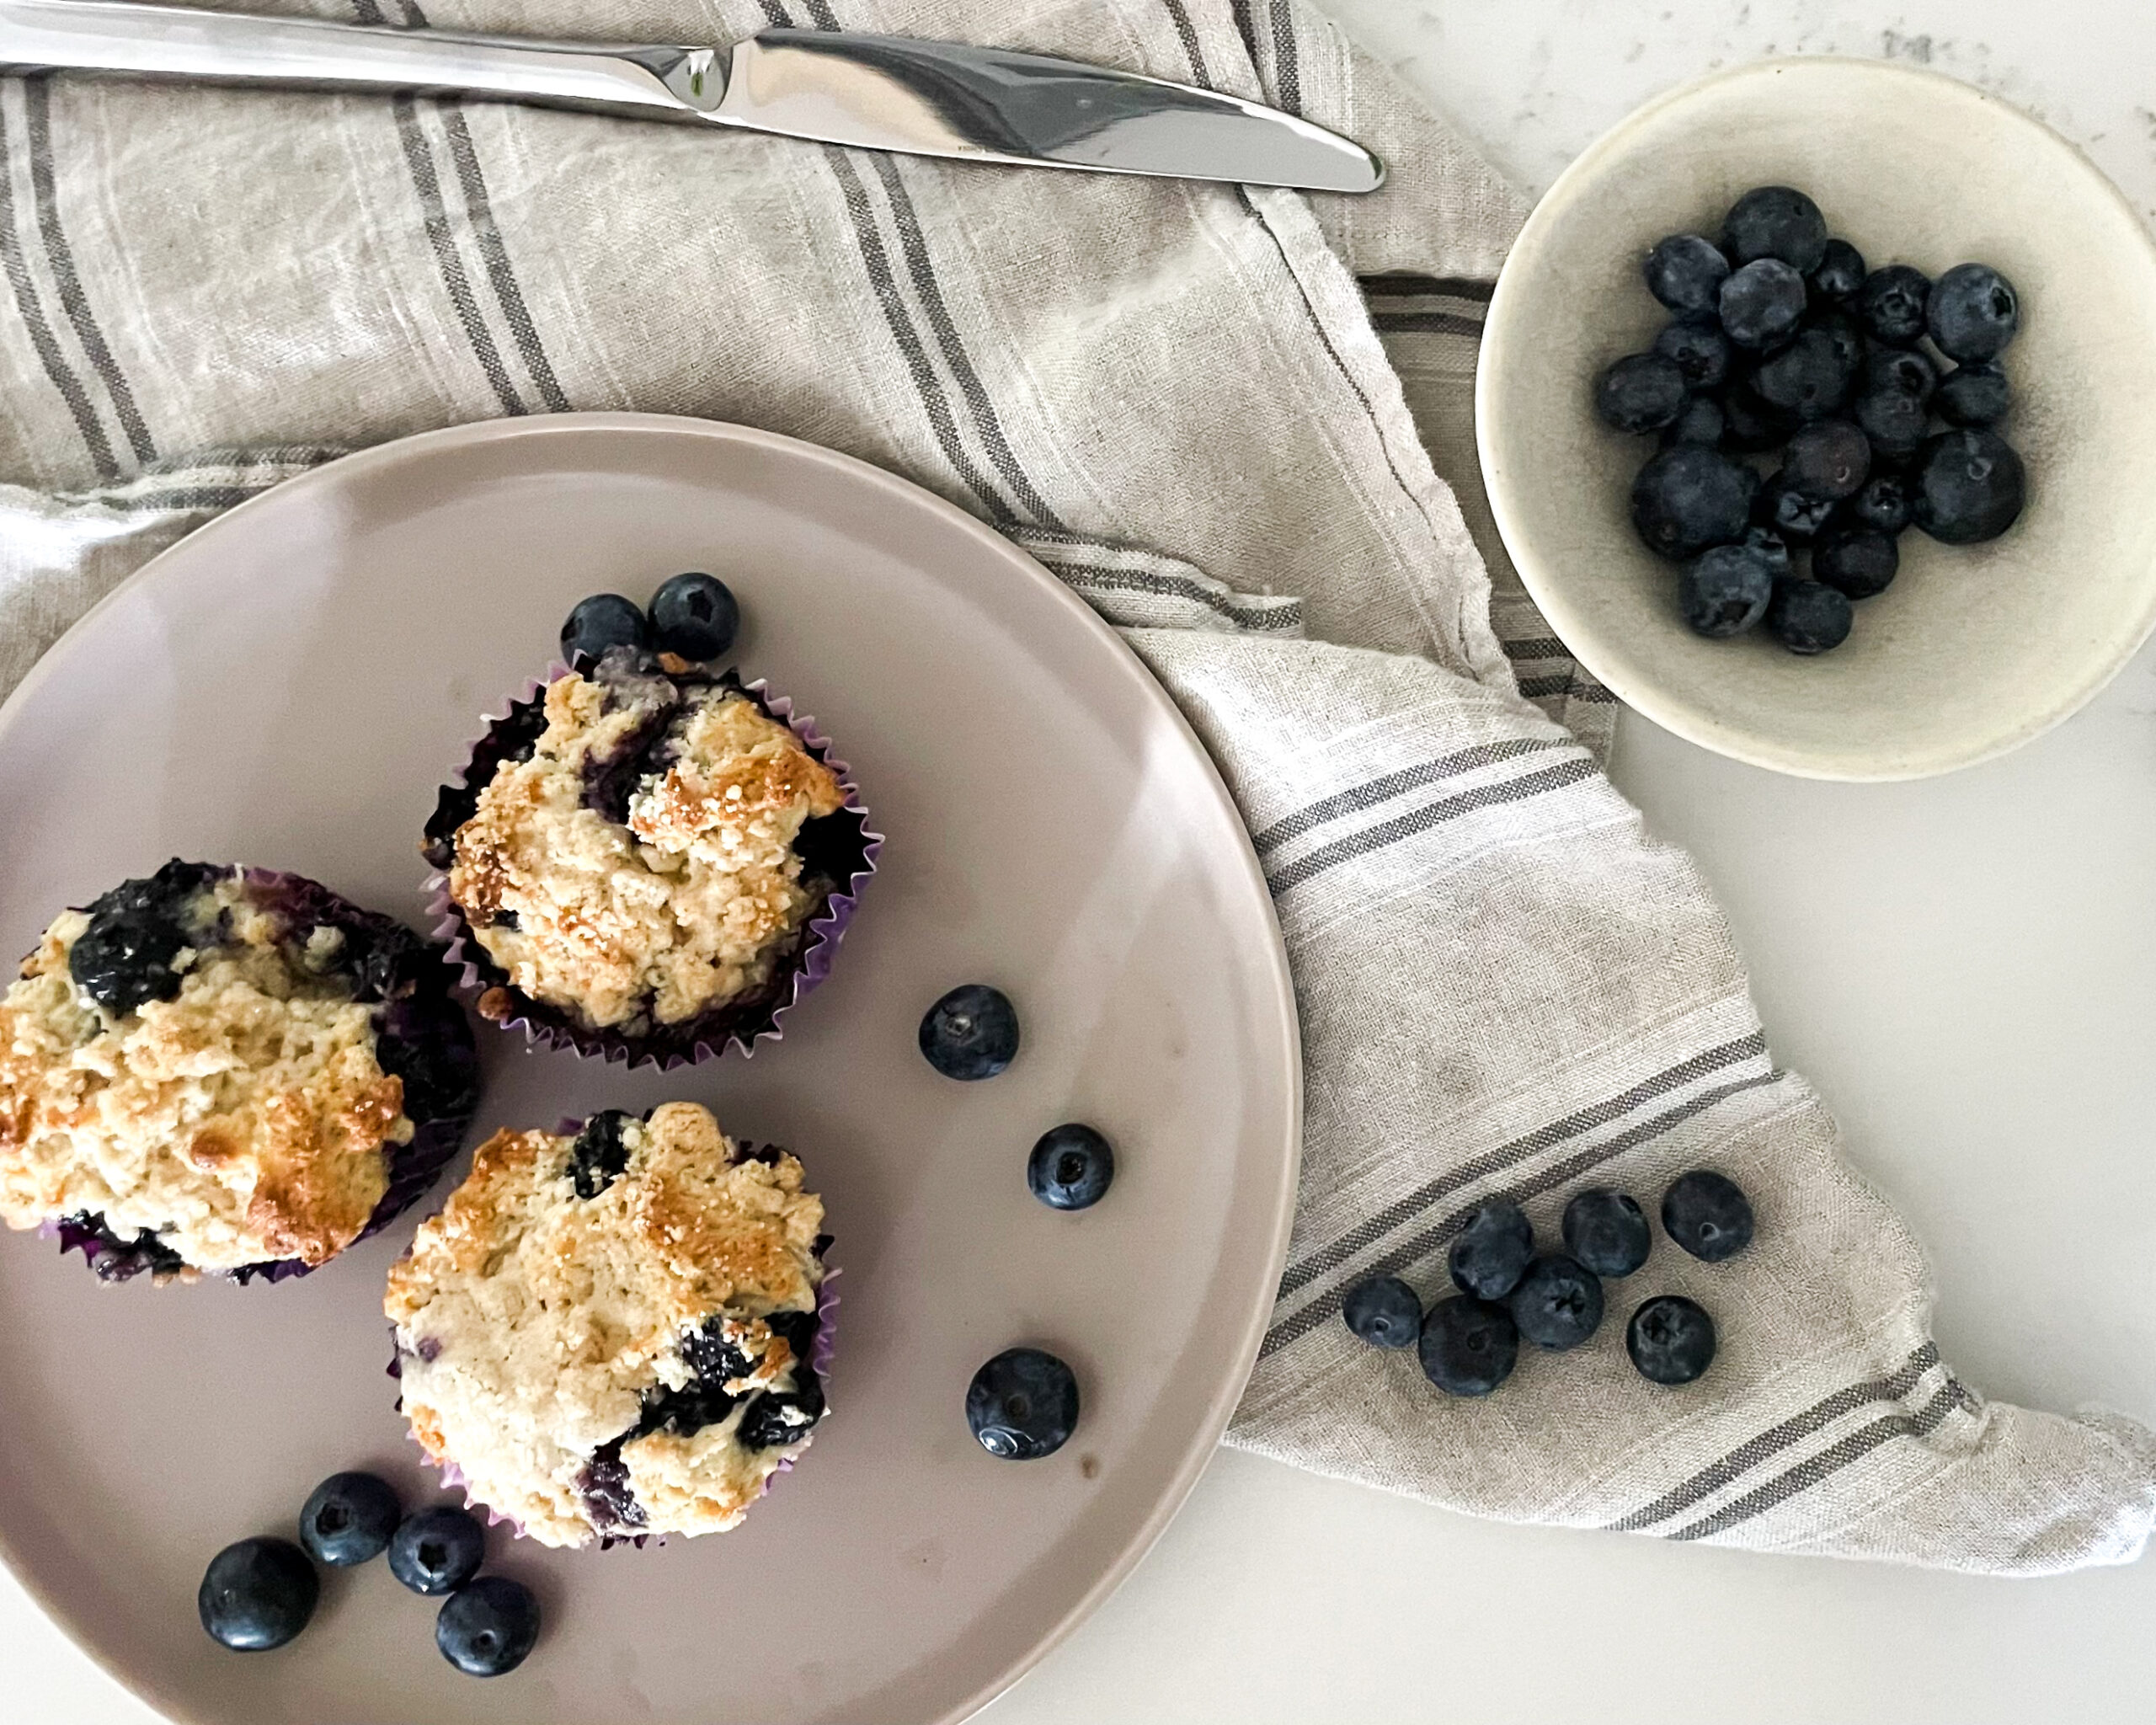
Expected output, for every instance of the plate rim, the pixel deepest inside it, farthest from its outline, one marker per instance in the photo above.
(1652, 700)
(538, 429)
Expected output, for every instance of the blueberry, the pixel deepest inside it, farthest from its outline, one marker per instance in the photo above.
(1492, 1252)
(1608, 1232)
(1973, 394)
(1702, 422)
(257, 1594)
(1688, 498)
(1725, 590)
(1851, 344)
(599, 1157)
(1884, 505)
(1670, 1339)
(1810, 379)
(1776, 221)
(1857, 562)
(1642, 394)
(436, 1551)
(1763, 303)
(1708, 1215)
(1699, 348)
(1755, 427)
(1686, 273)
(1809, 617)
(1558, 1303)
(972, 1033)
(348, 1519)
(782, 1417)
(1383, 1312)
(1830, 459)
(694, 615)
(1468, 1346)
(602, 620)
(1770, 545)
(1973, 313)
(1023, 1405)
(1970, 487)
(1892, 303)
(123, 960)
(1786, 512)
(487, 1626)
(1893, 403)
(1071, 1167)
(1839, 277)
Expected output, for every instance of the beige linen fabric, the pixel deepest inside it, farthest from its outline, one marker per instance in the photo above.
(1180, 399)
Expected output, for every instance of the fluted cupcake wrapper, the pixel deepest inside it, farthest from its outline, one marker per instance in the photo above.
(428, 1019)
(740, 1023)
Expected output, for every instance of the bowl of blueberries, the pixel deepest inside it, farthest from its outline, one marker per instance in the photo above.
(1818, 407)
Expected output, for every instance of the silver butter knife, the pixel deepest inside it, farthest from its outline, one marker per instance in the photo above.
(879, 93)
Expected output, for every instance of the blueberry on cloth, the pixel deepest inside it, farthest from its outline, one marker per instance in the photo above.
(1688, 498)
(602, 620)
(694, 615)
(1558, 1303)
(1809, 617)
(1071, 1167)
(1830, 459)
(436, 1551)
(1840, 274)
(1884, 505)
(1892, 303)
(1023, 1405)
(1857, 562)
(1643, 392)
(1708, 1215)
(1383, 1312)
(971, 1033)
(1763, 303)
(1685, 272)
(1671, 1339)
(1973, 313)
(1725, 590)
(1970, 486)
(1776, 221)
(1811, 377)
(348, 1519)
(1699, 348)
(1608, 1232)
(1468, 1346)
(257, 1594)
(487, 1626)
(1492, 1252)
(1973, 394)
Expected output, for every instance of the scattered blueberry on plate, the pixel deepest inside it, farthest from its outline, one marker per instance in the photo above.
(1023, 1405)
(348, 1519)
(1608, 1232)
(1671, 1339)
(437, 1550)
(1468, 1346)
(1782, 339)
(602, 620)
(487, 1626)
(1708, 1215)
(971, 1033)
(694, 615)
(1492, 1251)
(1558, 1304)
(1071, 1167)
(257, 1594)
(1383, 1312)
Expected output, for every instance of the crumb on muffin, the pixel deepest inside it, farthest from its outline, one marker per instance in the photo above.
(610, 1333)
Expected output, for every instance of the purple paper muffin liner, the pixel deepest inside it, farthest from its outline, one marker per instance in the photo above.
(422, 1037)
(846, 845)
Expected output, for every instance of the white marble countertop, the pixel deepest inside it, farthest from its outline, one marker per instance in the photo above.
(1967, 969)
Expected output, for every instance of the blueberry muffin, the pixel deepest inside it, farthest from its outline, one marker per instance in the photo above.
(643, 861)
(612, 1332)
(227, 1070)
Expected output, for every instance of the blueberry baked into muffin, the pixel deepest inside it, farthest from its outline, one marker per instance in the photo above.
(226, 1070)
(612, 1332)
(646, 860)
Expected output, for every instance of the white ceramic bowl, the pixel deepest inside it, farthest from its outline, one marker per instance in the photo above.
(1973, 650)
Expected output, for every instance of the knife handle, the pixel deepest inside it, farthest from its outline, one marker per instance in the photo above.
(167, 42)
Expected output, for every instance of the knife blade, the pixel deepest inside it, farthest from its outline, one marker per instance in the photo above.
(898, 93)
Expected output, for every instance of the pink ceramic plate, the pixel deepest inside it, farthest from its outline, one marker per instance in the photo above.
(287, 686)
